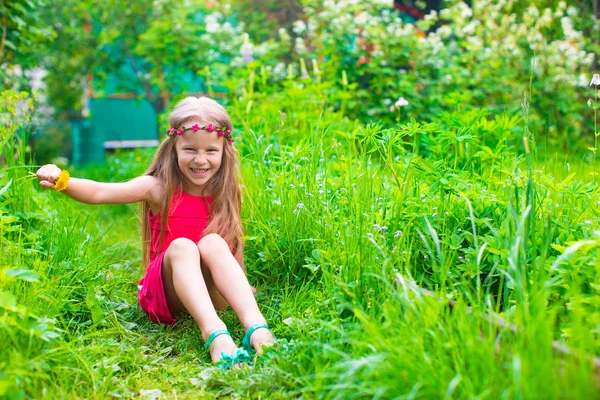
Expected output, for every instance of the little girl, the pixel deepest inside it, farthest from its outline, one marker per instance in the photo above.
(191, 228)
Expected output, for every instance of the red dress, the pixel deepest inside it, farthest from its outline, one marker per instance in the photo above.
(188, 218)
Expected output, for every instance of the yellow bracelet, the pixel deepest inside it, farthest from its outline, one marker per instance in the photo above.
(62, 181)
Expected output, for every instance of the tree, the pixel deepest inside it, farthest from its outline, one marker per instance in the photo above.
(149, 46)
(24, 33)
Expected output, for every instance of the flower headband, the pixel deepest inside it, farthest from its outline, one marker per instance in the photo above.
(222, 131)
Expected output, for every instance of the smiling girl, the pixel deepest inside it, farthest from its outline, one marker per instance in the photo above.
(191, 228)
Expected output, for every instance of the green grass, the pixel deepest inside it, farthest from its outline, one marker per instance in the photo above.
(344, 223)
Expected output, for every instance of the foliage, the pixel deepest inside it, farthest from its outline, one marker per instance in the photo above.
(147, 50)
(458, 56)
(23, 35)
(343, 221)
(158, 49)
(348, 208)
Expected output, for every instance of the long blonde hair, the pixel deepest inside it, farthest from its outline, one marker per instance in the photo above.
(224, 185)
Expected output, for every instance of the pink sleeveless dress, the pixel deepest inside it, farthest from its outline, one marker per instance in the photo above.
(188, 217)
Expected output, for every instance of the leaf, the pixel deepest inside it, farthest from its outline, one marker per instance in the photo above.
(10, 45)
(151, 393)
(93, 305)
(22, 274)
(312, 267)
(569, 178)
(290, 321)
(7, 300)
(558, 247)
(5, 188)
(18, 20)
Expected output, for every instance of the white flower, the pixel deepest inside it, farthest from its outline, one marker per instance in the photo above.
(212, 23)
(361, 18)
(595, 80)
(299, 27)
(401, 102)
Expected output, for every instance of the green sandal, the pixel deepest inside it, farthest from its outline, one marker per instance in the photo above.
(246, 340)
(227, 360)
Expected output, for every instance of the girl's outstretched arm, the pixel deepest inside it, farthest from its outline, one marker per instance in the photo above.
(143, 188)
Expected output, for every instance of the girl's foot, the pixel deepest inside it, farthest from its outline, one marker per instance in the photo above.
(222, 344)
(223, 351)
(261, 337)
(257, 337)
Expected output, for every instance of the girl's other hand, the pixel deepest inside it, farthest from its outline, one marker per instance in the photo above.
(48, 174)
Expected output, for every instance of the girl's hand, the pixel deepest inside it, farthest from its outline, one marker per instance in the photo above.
(48, 174)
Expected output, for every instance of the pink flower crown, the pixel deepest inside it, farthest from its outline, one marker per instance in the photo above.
(222, 131)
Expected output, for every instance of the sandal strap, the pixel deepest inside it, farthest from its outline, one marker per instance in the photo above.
(246, 340)
(214, 335)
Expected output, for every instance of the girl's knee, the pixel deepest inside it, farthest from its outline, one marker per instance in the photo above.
(211, 244)
(181, 247)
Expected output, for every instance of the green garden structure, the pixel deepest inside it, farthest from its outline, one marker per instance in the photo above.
(113, 123)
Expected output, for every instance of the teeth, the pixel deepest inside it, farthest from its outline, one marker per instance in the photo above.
(198, 170)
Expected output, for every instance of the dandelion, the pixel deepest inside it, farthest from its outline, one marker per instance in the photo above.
(587, 222)
(62, 181)
(595, 80)
(398, 234)
(299, 205)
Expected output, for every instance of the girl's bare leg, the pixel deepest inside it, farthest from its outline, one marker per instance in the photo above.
(185, 289)
(231, 282)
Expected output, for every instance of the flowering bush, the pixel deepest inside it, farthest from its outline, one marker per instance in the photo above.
(464, 56)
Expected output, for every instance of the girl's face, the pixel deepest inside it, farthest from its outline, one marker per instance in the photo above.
(199, 156)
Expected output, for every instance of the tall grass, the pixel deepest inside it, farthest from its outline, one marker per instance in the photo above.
(345, 225)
